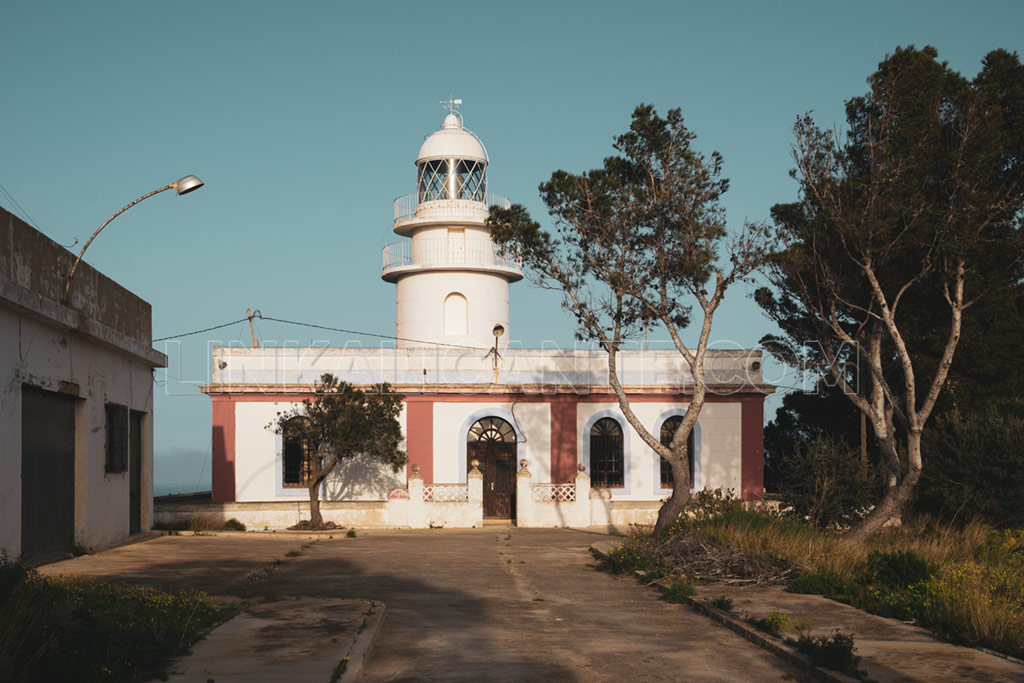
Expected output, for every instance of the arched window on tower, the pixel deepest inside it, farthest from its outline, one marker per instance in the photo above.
(606, 462)
(456, 315)
(297, 453)
(668, 432)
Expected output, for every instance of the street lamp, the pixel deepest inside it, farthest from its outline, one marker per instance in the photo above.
(181, 186)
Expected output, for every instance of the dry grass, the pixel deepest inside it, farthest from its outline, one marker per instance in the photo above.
(975, 594)
(205, 523)
(792, 543)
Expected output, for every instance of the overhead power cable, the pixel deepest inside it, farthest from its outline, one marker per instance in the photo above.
(15, 202)
(258, 315)
(365, 334)
(208, 329)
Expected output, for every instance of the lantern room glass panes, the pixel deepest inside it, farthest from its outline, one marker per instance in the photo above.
(452, 179)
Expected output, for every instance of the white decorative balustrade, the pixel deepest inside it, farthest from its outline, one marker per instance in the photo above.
(443, 252)
(408, 207)
(439, 505)
(549, 504)
(554, 493)
(446, 493)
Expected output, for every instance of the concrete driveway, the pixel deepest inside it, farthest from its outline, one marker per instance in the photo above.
(491, 604)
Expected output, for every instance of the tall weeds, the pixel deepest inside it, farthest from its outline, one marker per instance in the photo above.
(969, 587)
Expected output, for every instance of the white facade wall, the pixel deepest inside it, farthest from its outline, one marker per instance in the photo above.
(426, 370)
(258, 463)
(258, 451)
(717, 460)
(532, 422)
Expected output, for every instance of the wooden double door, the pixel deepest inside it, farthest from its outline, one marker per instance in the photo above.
(497, 464)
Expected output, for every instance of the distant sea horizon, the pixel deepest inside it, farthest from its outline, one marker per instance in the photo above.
(166, 489)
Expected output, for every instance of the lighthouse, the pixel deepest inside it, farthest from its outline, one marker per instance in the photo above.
(451, 282)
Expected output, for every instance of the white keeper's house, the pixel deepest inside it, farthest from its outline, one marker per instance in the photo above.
(535, 436)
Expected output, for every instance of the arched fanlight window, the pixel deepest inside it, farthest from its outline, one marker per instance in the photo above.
(492, 429)
(606, 462)
(297, 453)
(668, 432)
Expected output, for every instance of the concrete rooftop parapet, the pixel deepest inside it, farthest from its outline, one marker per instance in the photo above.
(33, 270)
(418, 370)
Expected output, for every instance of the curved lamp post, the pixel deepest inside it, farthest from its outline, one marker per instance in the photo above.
(181, 186)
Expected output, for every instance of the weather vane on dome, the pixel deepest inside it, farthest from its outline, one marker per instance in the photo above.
(451, 103)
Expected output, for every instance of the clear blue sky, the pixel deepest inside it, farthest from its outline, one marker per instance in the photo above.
(304, 120)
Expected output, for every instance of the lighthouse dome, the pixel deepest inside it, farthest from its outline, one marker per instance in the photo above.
(453, 141)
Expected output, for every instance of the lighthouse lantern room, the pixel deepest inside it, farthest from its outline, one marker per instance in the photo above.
(451, 281)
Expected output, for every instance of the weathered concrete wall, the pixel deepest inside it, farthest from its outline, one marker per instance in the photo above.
(276, 515)
(34, 262)
(99, 350)
(39, 355)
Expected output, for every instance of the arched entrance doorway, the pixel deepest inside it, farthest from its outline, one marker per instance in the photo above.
(492, 441)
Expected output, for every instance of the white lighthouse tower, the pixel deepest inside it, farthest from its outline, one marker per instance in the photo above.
(451, 282)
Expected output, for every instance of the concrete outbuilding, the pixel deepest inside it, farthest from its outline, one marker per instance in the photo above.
(76, 402)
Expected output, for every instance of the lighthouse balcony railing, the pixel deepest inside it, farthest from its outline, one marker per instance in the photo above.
(408, 206)
(444, 252)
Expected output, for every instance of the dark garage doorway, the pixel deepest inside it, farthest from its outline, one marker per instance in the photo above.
(47, 474)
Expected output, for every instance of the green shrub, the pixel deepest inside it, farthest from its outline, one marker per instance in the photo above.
(980, 604)
(777, 623)
(100, 631)
(974, 459)
(723, 602)
(897, 569)
(632, 556)
(835, 652)
(711, 503)
(233, 525)
(678, 591)
(825, 482)
(829, 584)
(351, 533)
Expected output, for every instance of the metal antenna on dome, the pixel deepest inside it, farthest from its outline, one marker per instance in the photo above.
(451, 103)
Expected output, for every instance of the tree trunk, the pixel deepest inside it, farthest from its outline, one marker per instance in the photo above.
(316, 520)
(676, 504)
(673, 507)
(895, 498)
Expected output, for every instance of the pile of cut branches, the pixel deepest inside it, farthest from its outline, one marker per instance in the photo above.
(700, 561)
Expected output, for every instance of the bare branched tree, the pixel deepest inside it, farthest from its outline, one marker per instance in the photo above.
(899, 229)
(638, 242)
